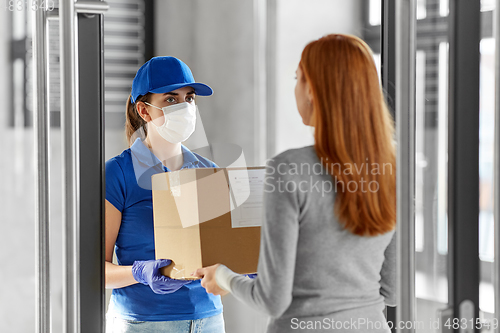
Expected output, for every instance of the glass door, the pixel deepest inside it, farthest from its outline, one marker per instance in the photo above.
(487, 169)
(431, 165)
(446, 50)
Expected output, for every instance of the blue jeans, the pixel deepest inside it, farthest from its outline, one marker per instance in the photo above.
(214, 324)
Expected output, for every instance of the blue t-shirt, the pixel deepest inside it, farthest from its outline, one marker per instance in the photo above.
(128, 188)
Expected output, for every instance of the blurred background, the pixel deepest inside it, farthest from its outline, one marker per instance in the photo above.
(247, 51)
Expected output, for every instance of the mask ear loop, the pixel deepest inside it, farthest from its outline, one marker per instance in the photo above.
(153, 106)
(152, 120)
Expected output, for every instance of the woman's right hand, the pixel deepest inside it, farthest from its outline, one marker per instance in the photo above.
(148, 273)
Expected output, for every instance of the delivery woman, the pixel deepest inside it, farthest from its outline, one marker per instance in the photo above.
(160, 114)
(327, 256)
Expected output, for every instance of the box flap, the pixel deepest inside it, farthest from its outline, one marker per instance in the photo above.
(180, 187)
(221, 242)
(213, 194)
(182, 246)
(177, 235)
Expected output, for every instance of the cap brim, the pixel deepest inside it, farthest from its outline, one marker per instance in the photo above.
(200, 89)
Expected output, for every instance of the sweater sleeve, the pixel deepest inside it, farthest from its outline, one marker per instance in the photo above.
(388, 274)
(271, 290)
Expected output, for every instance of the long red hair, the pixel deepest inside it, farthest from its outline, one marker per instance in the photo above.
(353, 131)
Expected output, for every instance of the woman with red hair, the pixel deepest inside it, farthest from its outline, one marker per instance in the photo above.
(327, 256)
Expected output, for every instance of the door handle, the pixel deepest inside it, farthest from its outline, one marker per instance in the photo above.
(41, 137)
(70, 115)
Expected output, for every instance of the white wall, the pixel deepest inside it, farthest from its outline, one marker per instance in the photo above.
(297, 25)
(215, 39)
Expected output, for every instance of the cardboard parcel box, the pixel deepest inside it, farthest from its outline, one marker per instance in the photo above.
(206, 216)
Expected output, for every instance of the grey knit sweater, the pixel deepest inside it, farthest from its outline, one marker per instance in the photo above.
(309, 266)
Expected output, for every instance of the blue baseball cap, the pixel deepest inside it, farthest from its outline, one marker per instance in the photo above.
(164, 74)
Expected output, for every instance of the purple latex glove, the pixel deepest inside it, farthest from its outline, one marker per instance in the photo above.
(148, 273)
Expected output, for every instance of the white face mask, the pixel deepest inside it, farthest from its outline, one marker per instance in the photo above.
(179, 121)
